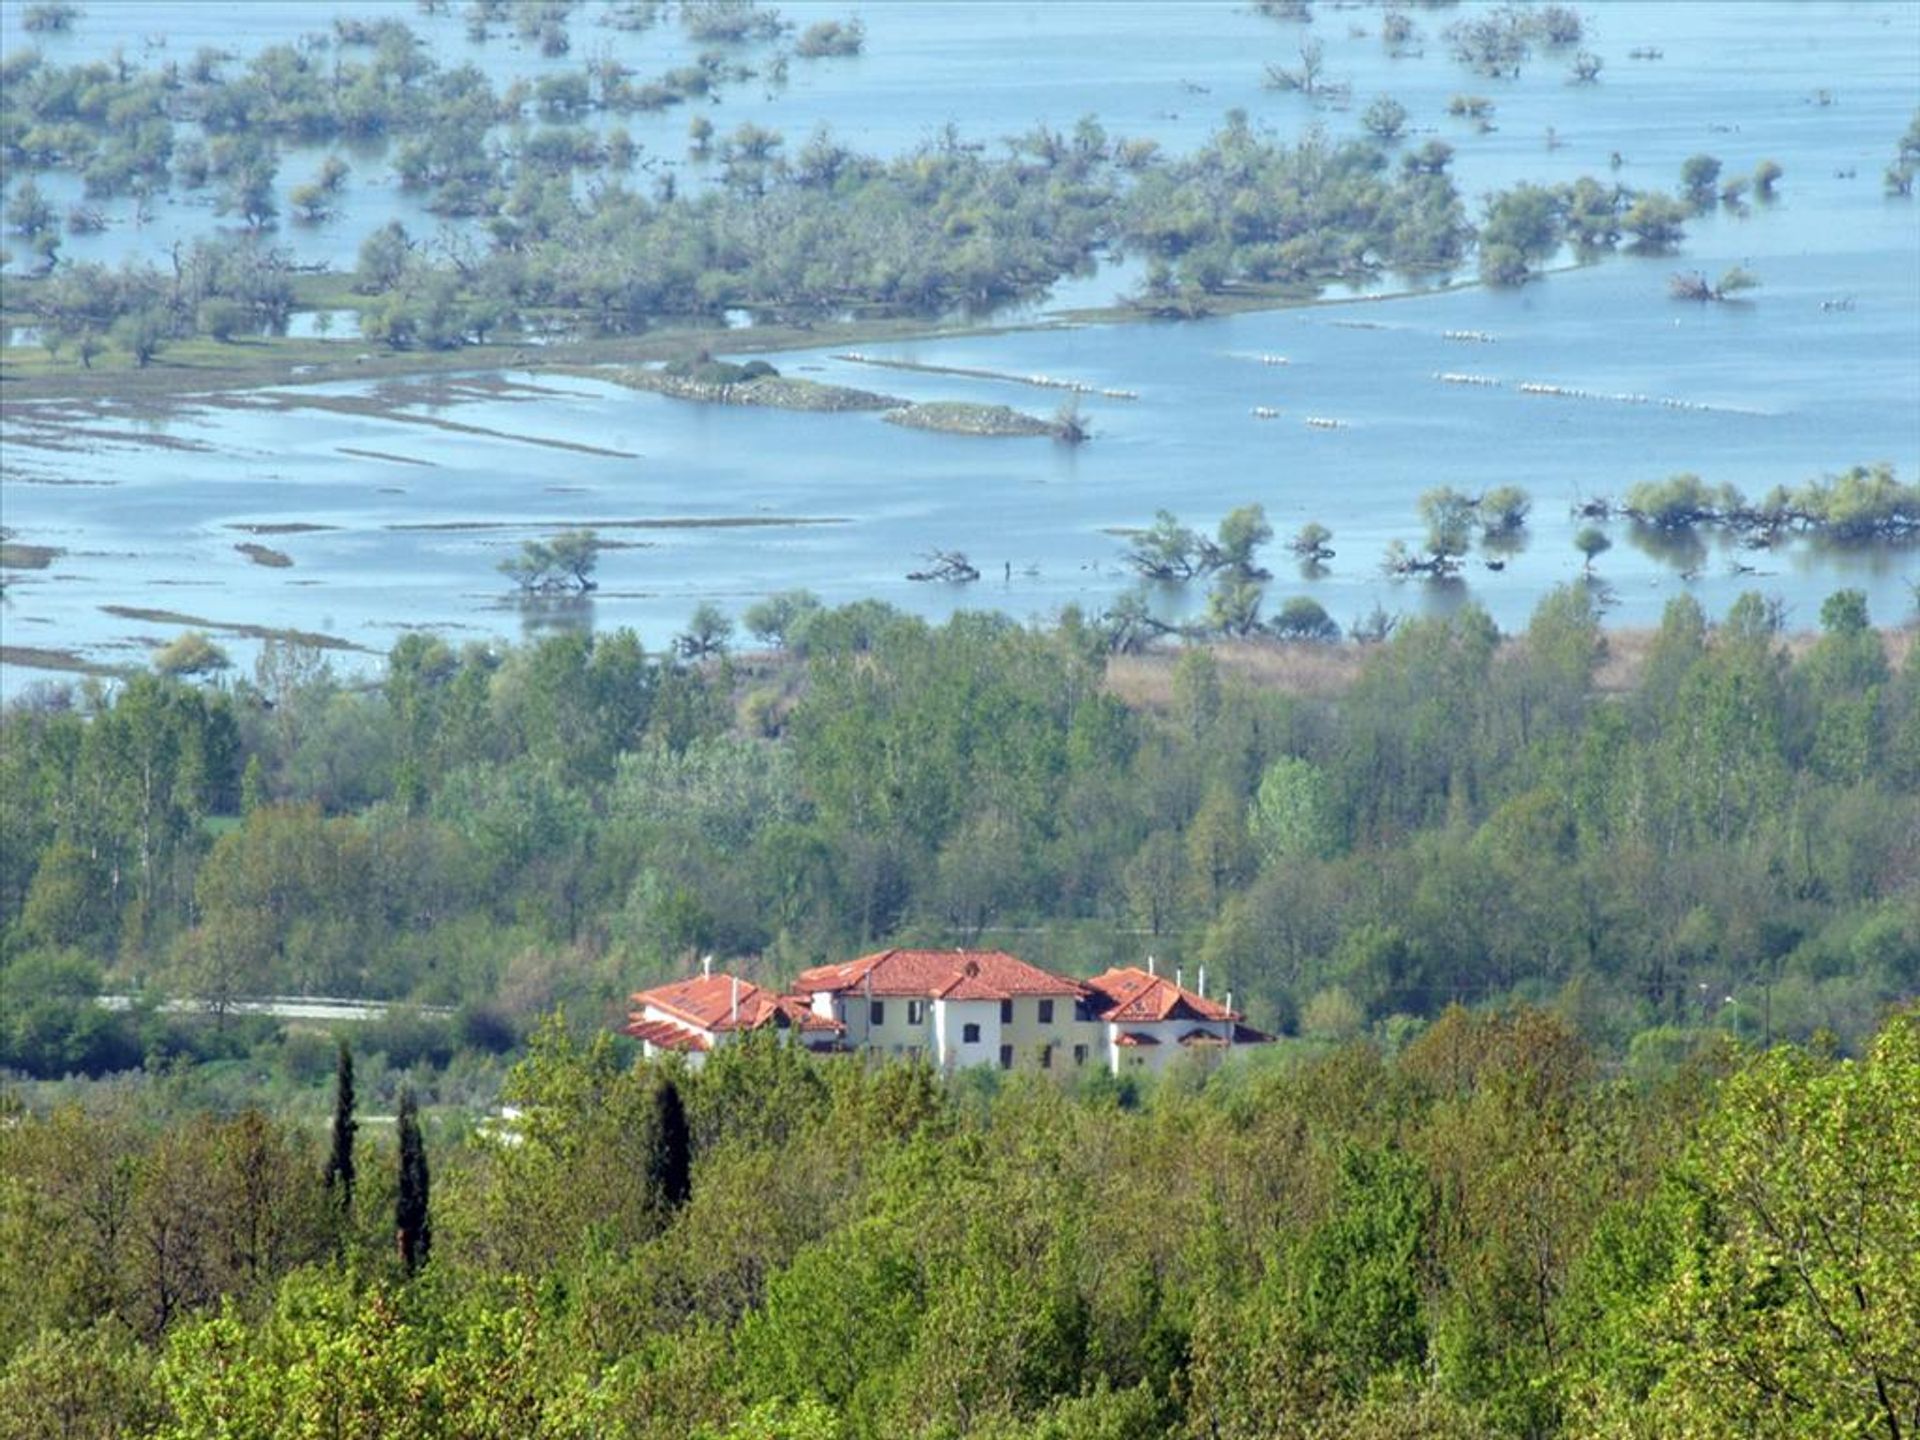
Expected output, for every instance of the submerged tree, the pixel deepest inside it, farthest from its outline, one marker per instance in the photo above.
(565, 562)
(1592, 543)
(1503, 510)
(1167, 550)
(1310, 543)
(1692, 285)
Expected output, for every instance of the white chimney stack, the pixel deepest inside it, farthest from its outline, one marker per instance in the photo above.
(1229, 1002)
(706, 967)
(1150, 969)
(1179, 977)
(736, 999)
(1203, 982)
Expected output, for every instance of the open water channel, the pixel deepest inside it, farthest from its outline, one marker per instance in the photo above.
(393, 521)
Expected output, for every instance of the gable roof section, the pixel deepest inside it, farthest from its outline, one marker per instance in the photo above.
(1130, 995)
(706, 1002)
(938, 974)
(666, 1035)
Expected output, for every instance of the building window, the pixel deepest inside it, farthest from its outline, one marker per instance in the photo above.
(969, 1034)
(1046, 1057)
(1006, 1057)
(876, 1012)
(916, 1012)
(1006, 1012)
(1079, 1054)
(1046, 1012)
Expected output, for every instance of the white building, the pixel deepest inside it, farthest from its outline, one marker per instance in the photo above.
(985, 1007)
(1148, 1020)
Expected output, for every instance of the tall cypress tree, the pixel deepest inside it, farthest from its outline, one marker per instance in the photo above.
(413, 1227)
(340, 1162)
(670, 1165)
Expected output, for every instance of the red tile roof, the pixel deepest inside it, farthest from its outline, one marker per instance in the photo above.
(706, 1002)
(939, 974)
(1130, 995)
(666, 1035)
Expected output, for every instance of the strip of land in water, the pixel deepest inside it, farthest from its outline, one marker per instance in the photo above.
(27, 374)
(233, 627)
(680, 522)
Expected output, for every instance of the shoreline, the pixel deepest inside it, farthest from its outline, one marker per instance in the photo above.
(1292, 667)
(202, 366)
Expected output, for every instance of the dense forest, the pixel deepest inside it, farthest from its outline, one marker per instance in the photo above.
(1713, 828)
(1477, 1236)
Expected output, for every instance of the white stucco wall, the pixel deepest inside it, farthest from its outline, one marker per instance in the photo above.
(950, 1017)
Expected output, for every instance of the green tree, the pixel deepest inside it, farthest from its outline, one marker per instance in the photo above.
(1523, 227)
(1503, 510)
(707, 633)
(412, 1218)
(190, 653)
(1354, 1277)
(340, 1168)
(1292, 816)
(1655, 220)
(1303, 618)
(670, 1156)
(143, 334)
(1792, 1304)
(1385, 119)
(1592, 543)
(1167, 550)
(1448, 516)
(1310, 543)
(1698, 176)
(779, 619)
(1242, 532)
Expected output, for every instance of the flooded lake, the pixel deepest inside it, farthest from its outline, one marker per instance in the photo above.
(394, 504)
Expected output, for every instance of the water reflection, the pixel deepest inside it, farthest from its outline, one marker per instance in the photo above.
(558, 614)
(1503, 546)
(1684, 550)
(1894, 555)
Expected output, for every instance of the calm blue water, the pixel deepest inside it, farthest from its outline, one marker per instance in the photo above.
(1790, 389)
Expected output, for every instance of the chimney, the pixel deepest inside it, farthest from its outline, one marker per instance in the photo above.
(1203, 982)
(1229, 1003)
(736, 1000)
(1179, 977)
(706, 967)
(1150, 969)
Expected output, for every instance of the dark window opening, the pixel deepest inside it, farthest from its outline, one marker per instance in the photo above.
(1046, 1012)
(969, 1034)
(1006, 1057)
(876, 1012)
